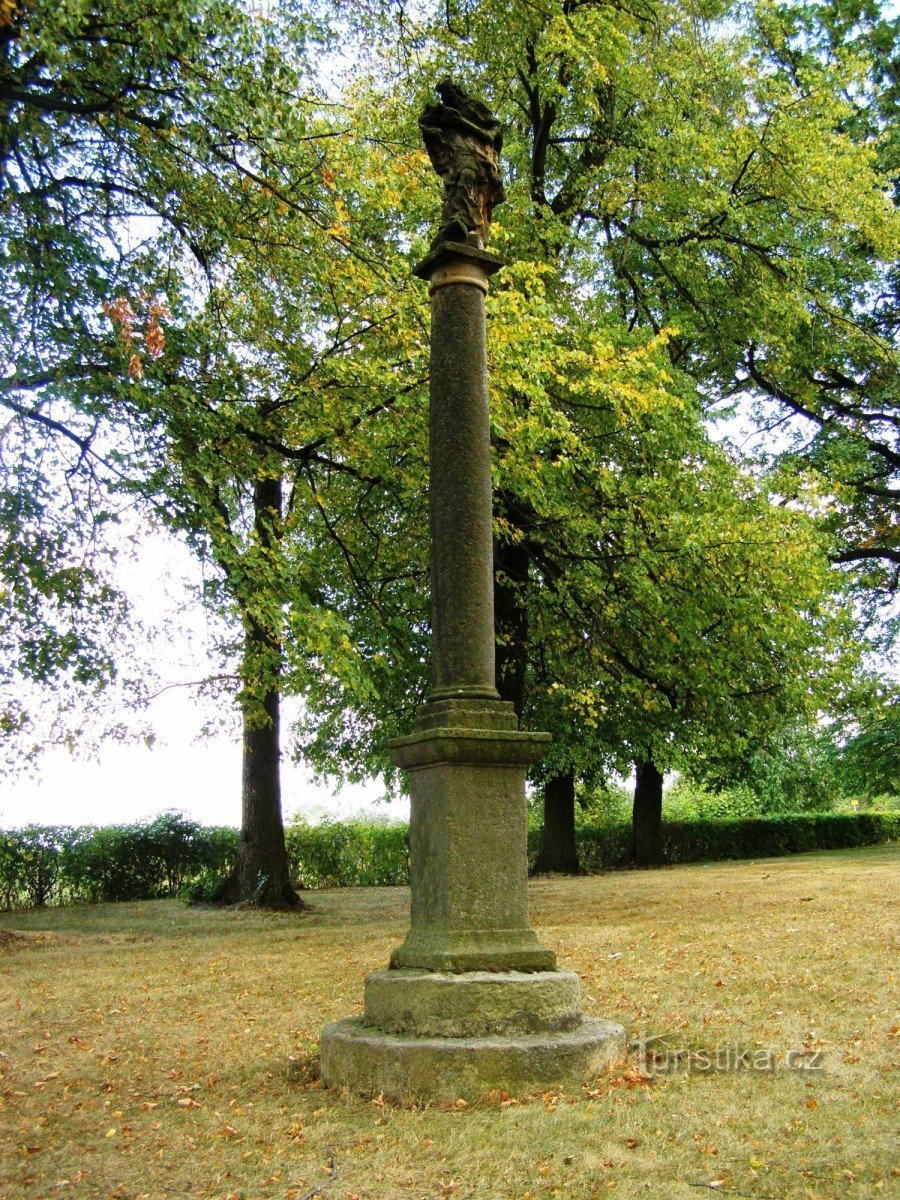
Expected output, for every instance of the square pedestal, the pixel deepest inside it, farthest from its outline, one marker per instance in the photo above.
(468, 840)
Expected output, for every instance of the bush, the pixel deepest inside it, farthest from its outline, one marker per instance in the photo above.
(140, 861)
(601, 847)
(173, 856)
(689, 801)
(206, 889)
(353, 853)
(768, 837)
(30, 861)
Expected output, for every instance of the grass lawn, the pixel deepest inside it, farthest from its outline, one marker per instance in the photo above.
(151, 1050)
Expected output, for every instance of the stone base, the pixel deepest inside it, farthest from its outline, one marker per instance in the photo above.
(372, 1063)
(474, 1004)
(472, 950)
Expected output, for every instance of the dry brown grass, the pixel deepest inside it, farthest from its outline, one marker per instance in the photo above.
(150, 1050)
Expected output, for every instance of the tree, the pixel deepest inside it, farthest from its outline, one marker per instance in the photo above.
(866, 741)
(836, 380)
(662, 235)
(141, 157)
(706, 227)
(653, 230)
(84, 98)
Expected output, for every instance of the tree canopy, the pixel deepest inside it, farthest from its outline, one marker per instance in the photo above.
(204, 264)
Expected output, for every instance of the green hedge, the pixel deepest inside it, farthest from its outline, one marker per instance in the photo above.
(43, 865)
(603, 847)
(353, 853)
(56, 864)
(768, 837)
(172, 855)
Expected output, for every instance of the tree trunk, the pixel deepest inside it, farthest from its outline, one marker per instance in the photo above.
(261, 875)
(646, 819)
(558, 849)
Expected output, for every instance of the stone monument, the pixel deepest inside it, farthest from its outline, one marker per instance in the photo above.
(472, 1001)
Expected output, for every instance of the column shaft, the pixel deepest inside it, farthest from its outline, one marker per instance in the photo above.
(460, 511)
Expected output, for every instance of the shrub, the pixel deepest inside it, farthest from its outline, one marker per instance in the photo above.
(353, 853)
(30, 864)
(205, 889)
(171, 855)
(140, 861)
(603, 846)
(790, 833)
(689, 801)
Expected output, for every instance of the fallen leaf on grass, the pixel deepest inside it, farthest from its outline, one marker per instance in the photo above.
(187, 1102)
(631, 1078)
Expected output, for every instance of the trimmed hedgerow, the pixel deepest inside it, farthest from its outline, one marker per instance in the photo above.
(42, 865)
(601, 847)
(172, 855)
(352, 853)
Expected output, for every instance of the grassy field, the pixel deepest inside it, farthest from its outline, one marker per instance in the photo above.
(150, 1050)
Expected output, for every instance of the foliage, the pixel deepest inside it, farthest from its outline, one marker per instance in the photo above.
(853, 757)
(797, 769)
(30, 864)
(710, 838)
(354, 853)
(604, 804)
(724, 175)
(688, 800)
(790, 833)
(653, 596)
(100, 117)
(180, 341)
(174, 856)
(140, 861)
(869, 762)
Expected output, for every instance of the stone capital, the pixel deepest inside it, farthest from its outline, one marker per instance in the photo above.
(493, 747)
(457, 262)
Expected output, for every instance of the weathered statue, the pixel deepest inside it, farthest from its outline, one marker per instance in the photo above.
(463, 139)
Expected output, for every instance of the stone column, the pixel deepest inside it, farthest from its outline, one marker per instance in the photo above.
(467, 759)
(472, 1000)
(460, 503)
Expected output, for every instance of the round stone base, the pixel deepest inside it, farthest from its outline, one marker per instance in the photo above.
(471, 1004)
(372, 1063)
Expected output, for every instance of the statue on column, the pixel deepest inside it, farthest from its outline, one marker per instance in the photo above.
(463, 139)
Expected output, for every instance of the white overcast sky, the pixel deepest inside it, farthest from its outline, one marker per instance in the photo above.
(201, 777)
